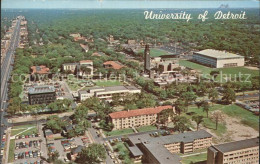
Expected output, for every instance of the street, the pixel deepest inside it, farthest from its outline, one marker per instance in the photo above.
(6, 69)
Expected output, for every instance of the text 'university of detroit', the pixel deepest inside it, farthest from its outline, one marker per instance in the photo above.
(178, 16)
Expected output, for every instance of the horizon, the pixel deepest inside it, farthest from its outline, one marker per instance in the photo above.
(127, 4)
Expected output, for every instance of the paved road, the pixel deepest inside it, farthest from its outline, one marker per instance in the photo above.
(6, 69)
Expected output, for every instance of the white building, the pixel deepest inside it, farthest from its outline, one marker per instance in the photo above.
(218, 59)
(106, 93)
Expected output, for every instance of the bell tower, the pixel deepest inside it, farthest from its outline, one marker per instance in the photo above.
(147, 65)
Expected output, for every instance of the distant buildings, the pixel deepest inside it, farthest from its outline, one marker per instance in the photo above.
(164, 149)
(41, 94)
(77, 68)
(40, 70)
(113, 64)
(106, 93)
(138, 117)
(242, 152)
(147, 65)
(218, 59)
(84, 47)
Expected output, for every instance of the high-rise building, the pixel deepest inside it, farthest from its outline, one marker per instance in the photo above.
(147, 65)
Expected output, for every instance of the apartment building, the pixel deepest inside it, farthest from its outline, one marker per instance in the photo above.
(138, 117)
(164, 149)
(238, 152)
(218, 59)
(106, 93)
(41, 94)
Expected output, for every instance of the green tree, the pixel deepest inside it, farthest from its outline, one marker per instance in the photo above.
(181, 123)
(198, 119)
(179, 106)
(205, 107)
(93, 154)
(217, 116)
(213, 95)
(229, 96)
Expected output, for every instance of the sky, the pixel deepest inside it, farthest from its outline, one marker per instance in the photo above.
(103, 4)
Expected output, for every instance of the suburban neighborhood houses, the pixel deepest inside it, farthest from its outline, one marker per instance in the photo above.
(80, 88)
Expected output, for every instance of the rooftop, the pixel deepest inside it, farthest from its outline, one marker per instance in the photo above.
(218, 54)
(135, 151)
(85, 61)
(161, 153)
(109, 89)
(77, 149)
(237, 145)
(139, 112)
(114, 64)
(41, 89)
(40, 69)
(181, 137)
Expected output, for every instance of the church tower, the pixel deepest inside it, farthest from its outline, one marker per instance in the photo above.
(147, 59)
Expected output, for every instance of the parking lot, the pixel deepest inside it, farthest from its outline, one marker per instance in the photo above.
(30, 148)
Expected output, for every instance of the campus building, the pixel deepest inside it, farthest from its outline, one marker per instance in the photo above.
(106, 93)
(242, 152)
(113, 64)
(41, 94)
(77, 67)
(164, 149)
(147, 62)
(218, 59)
(137, 117)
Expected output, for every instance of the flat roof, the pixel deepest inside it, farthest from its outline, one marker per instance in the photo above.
(237, 145)
(41, 89)
(181, 137)
(135, 151)
(163, 155)
(218, 54)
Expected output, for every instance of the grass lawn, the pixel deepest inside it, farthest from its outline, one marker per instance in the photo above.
(247, 118)
(202, 68)
(26, 132)
(229, 72)
(11, 151)
(119, 132)
(154, 52)
(30, 131)
(210, 124)
(194, 158)
(121, 148)
(146, 128)
(108, 83)
(16, 131)
(24, 126)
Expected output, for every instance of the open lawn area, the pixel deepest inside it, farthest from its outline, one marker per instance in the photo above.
(25, 129)
(154, 52)
(11, 151)
(194, 158)
(226, 72)
(108, 83)
(247, 118)
(203, 69)
(146, 128)
(119, 132)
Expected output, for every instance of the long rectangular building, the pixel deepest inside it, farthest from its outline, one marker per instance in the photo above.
(218, 59)
(240, 152)
(137, 117)
(106, 93)
(164, 149)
